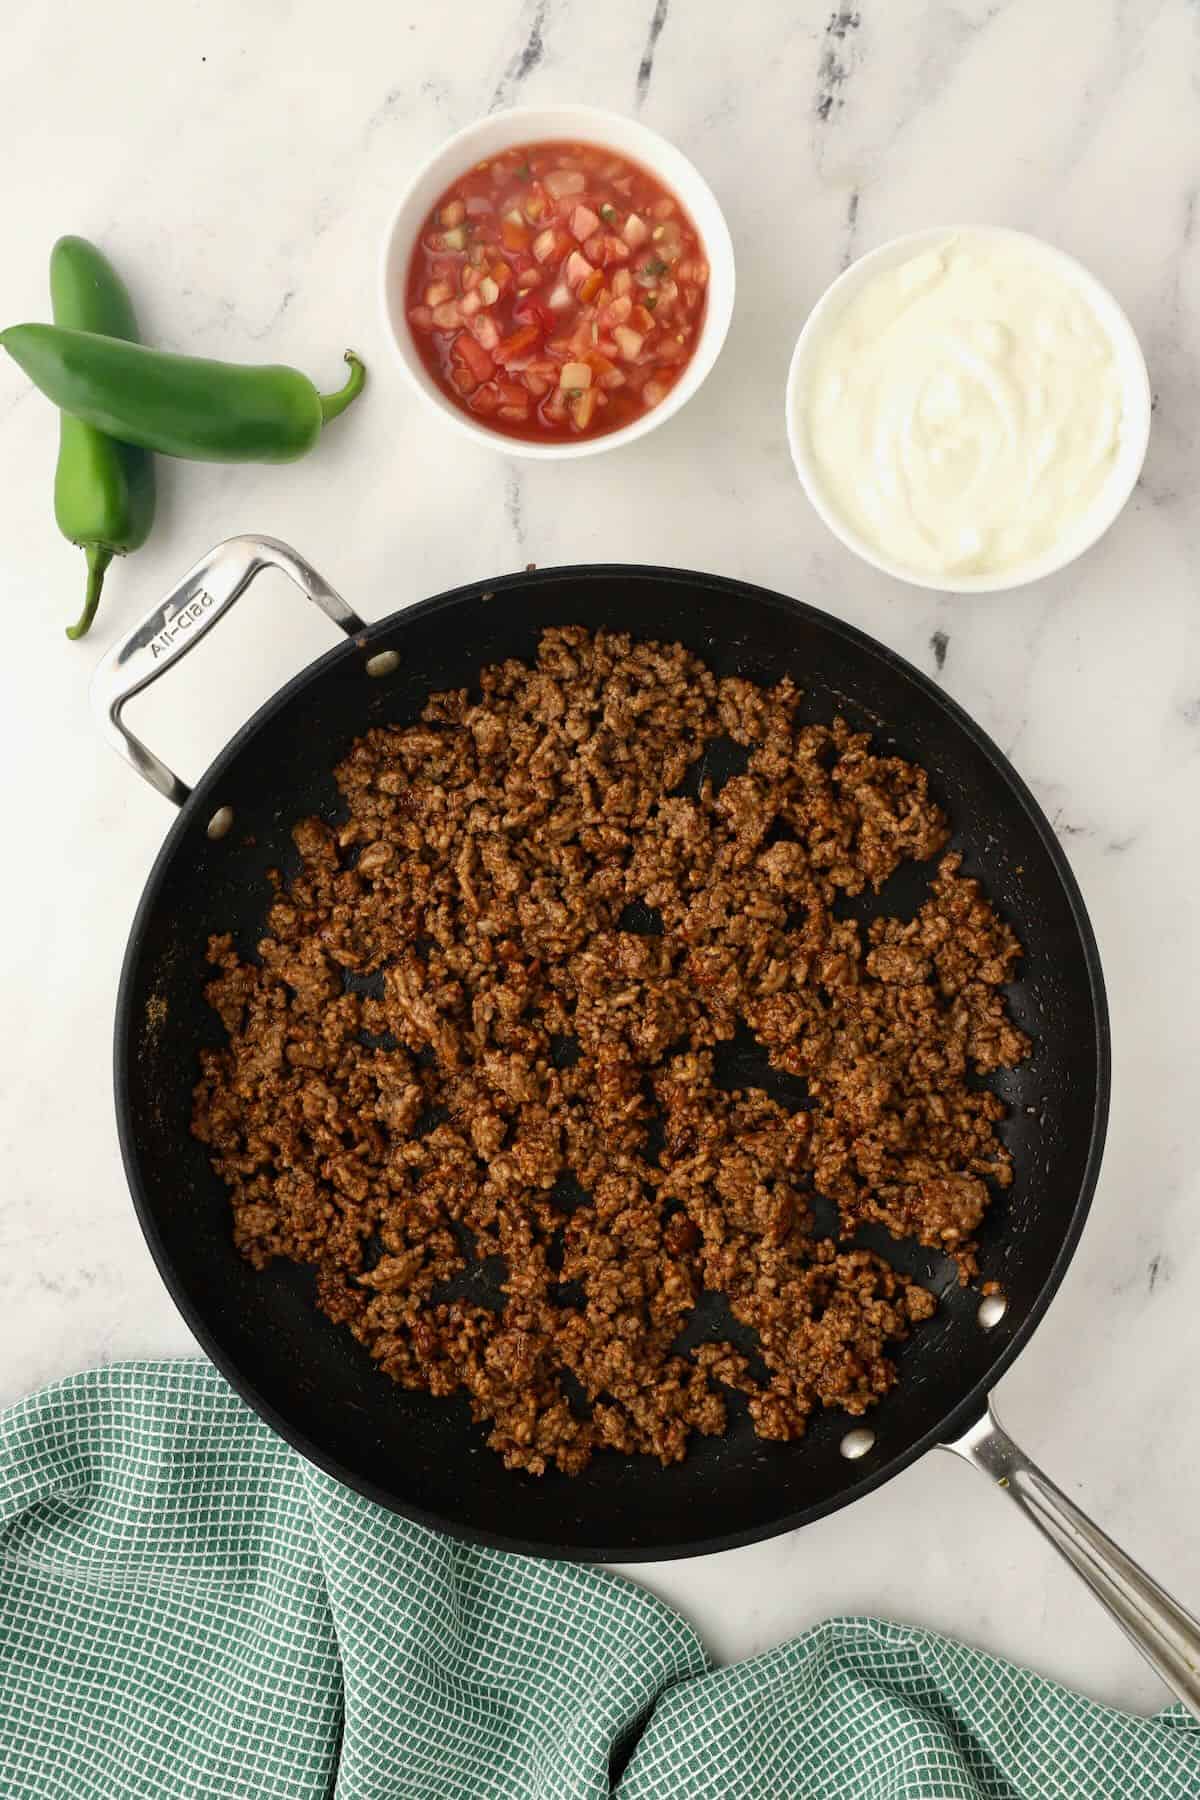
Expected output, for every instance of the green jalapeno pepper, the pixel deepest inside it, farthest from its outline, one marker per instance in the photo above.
(179, 405)
(103, 490)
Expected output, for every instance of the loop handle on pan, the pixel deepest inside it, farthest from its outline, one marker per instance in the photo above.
(176, 623)
(1166, 1635)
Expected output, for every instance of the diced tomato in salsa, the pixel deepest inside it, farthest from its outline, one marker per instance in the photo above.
(557, 291)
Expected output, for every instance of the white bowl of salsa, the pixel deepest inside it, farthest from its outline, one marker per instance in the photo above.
(557, 280)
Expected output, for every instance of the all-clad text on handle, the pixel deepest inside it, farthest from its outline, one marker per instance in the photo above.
(187, 616)
(181, 620)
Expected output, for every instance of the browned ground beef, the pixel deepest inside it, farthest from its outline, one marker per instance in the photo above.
(512, 1073)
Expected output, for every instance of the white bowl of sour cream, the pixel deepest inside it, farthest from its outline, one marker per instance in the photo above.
(968, 408)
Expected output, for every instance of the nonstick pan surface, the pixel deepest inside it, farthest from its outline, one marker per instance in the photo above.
(423, 1457)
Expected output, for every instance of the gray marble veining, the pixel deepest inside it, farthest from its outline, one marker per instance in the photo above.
(240, 164)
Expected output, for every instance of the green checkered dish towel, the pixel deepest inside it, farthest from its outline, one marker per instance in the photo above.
(189, 1611)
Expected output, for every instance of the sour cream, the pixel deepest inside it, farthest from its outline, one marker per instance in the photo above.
(964, 411)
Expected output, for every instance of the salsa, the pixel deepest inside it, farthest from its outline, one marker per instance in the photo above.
(557, 291)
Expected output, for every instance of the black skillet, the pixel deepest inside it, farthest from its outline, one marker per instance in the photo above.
(423, 1457)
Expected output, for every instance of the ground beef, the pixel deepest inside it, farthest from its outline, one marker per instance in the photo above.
(471, 1069)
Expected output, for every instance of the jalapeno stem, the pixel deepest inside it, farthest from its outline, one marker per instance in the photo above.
(98, 559)
(333, 404)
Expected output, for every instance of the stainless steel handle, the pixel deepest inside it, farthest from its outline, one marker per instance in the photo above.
(1167, 1636)
(181, 620)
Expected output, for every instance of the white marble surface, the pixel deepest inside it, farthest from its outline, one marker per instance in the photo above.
(239, 162)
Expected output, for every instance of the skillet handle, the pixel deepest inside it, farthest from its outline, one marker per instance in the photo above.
(181, 620)
(1167, 1636)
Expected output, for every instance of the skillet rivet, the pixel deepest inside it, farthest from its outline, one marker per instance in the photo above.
(991, 1310)
(220, 822)
(383, 662)
(856, 1443)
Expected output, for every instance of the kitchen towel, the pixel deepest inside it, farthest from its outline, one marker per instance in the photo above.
(190, 1611)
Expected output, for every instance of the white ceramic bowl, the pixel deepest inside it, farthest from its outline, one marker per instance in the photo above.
(1135, 426)
(585, 124)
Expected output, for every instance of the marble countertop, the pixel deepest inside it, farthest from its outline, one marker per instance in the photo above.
(239, 163)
